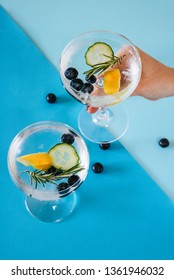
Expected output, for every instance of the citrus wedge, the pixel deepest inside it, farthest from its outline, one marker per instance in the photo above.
(112, 81)
(40, 161)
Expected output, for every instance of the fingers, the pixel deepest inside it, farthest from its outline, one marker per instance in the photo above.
(91, 110)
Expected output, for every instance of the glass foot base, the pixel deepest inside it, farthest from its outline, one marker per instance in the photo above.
(104, 126)
(51, 211)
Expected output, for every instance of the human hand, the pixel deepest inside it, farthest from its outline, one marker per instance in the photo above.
(157, 79)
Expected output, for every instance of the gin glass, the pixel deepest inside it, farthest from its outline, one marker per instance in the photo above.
(50, 191)
(88, 56)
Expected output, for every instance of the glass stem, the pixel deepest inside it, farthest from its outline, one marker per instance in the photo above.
(102, 117)
(103, 113)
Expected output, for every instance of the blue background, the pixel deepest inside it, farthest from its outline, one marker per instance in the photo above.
(121, 213)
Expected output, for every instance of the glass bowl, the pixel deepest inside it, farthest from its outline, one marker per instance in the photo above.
(49, 193)
(99, 127)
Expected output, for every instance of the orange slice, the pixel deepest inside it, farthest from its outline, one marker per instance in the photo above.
(112, 81)
(40, 161)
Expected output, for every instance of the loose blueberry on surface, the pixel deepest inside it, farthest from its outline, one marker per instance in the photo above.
(91, 79)
(63, 186)
(67, 138)
(104, 146)
(87, 88)
(71, 73)
(73, 179)
(164, 142)
(97, 167)
(77, 84)
(51, 98)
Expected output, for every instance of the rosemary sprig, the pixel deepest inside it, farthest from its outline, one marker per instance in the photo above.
(43, 177)
(101, 67)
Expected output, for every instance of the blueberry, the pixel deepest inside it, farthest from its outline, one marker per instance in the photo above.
(67, 138)
(77, 84)
(87, 88)
(164, 142)
(51, 98)
(91, 79)
(97, 167)
(71, 73)
(73, 179)
(104, 146)
(57, 172)
(50, 170)
(63, 186)
(54, 170)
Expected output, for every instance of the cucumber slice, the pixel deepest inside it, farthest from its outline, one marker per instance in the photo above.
(64, 156)
(96, 53)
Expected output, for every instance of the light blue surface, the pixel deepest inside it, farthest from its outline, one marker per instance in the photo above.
(121, 213)
(52, 24)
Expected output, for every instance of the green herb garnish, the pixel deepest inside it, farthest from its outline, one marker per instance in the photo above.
(43, 177)
(101, 67)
